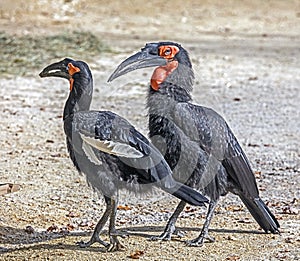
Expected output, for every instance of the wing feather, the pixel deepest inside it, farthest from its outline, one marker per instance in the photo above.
(90, 153)
(114, 148)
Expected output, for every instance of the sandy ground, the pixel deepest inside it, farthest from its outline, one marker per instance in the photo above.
(246, 57)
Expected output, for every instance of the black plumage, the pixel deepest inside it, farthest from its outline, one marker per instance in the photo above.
(196, 141)
(110, 151)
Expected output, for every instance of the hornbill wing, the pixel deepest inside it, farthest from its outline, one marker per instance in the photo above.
(198, 130)
(112, 134)
(203, 126)
(111, 147)
(109, 133)
(213, 135)
(239, 169)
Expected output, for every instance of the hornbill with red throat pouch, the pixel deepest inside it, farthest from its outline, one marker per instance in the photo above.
(196, 141)
(110, 151)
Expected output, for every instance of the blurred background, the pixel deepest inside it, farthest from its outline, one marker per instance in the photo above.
(246, 57)
(122, 26)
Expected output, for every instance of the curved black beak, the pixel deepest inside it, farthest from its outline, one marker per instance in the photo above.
(59, 69)
(147, 57)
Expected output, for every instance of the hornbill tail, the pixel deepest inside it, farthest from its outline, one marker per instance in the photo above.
(261, 214)
(188, 195)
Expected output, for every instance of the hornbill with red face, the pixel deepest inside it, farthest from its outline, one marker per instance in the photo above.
(196, 141)
(110, 151)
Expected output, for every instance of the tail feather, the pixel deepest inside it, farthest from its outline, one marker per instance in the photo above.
(187, 194)
(162, 174)
(262, 214)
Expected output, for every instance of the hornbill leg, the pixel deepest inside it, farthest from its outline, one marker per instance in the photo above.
(198, 241)
(115, 244)
(95, 237)
(170, 228)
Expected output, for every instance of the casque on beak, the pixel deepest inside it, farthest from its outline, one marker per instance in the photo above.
(59, 69)
(147, 57)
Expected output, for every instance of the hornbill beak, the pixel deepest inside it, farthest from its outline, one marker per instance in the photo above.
(59, 69)
(147, 57)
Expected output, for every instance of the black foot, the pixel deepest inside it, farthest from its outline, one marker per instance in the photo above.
(93, 240)
(199, 241)
(167, 234)
(115, 245)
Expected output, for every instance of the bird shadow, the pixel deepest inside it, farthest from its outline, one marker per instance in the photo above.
(34, 241)
(23, 240)
(141, 231)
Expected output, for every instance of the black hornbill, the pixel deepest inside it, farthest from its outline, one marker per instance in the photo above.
(110, 151)
(196, 141)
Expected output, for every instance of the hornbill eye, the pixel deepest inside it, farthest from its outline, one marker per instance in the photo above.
(168, 52)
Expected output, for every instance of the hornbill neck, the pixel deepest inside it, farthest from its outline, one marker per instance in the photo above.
(80, 96)
(176, 88)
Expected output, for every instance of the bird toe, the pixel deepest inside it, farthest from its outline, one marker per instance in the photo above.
(199, 241)
(115, 245)
(93, 240)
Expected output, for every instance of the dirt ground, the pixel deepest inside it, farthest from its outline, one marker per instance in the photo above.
(246, 56)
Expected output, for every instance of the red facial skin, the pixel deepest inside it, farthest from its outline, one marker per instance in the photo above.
(161, 73)
(72, 69)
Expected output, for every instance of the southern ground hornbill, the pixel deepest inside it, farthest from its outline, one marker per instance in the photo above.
(196, 141)
(110, 151)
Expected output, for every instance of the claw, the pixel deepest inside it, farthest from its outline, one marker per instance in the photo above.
(210, 239)
(93, 240)
(179, 233)
(199, 241)
(194, 243)
(115, 245)
(167, 234)
(163, 236)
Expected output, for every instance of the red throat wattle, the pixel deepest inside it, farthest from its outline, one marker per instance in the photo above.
(161, 73)
(72, 69)
(71, 84)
